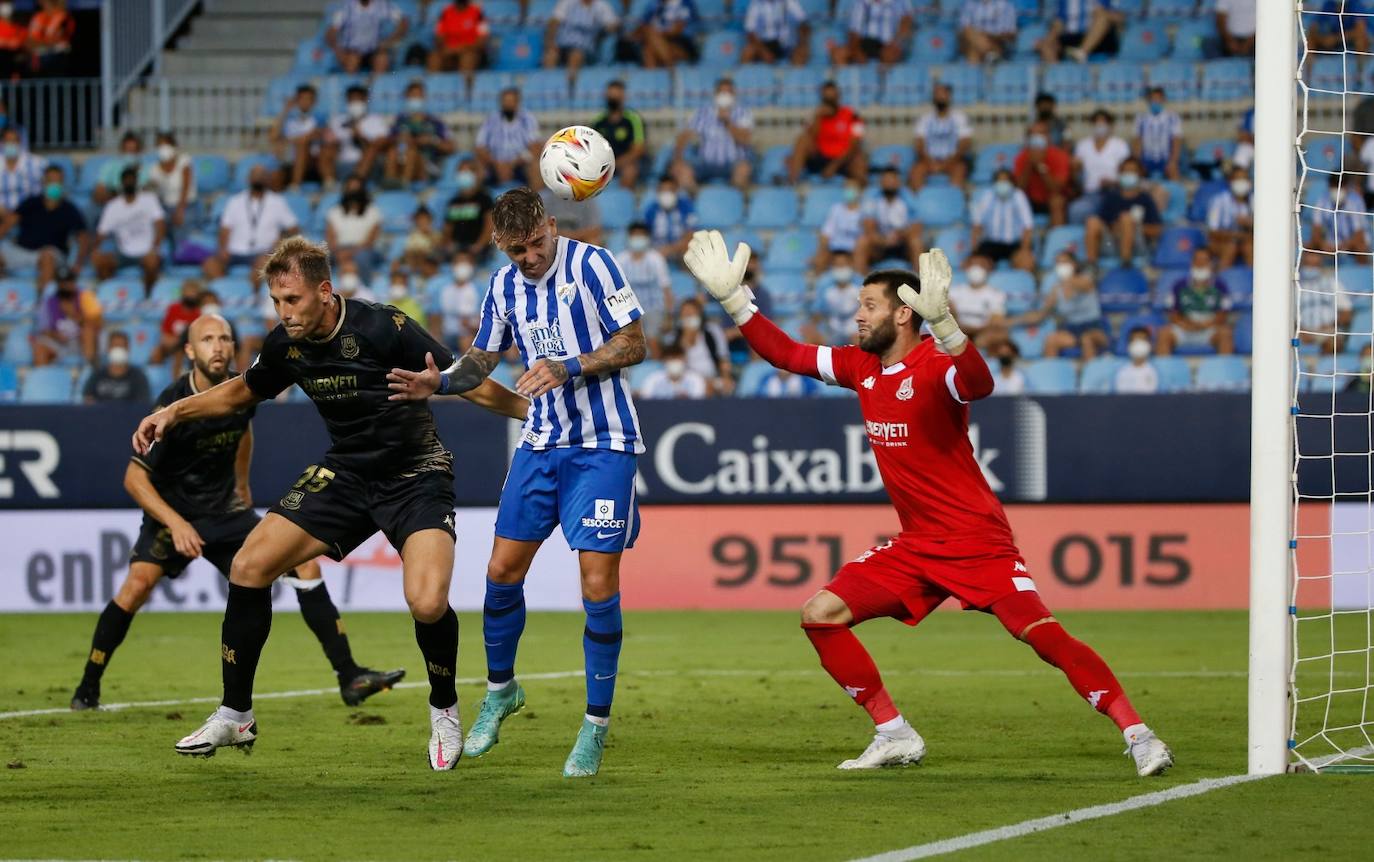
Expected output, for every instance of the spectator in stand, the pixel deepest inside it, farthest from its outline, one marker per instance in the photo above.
(832, 143)
(1230, 222)
(356, 138)
(944, 139)
(987, 30)
(1125, 212)
(1045, 173)
(252, 223)
(108, 180)
(1002, 224)
(981, 308)
(1339, 222)
(623, 129)
(398, 296)
(1097, 162)
(703, 346)
(68, 323)
(21, 172)
(353, 226)
(878, 30)
(135, 225)
(843, 226)
(574, 32)
(509, 143)
(467, 217)
(460, 39)
(419, 140)
(647, 272)
(422, 245)
(672, 217)
(1047, 112)
(1073, 302)
(890, 226)
(1009, 380)
(175, 320)
(12, 39)
(1139, 376)
(836, 303)
(778, 383)
(173, 179)
(459, 304)
(667, 34)
(723, 132)
(579, 220)
(774, 31)
(49, 43)
(1236, 26)
(756, 289)
(675, 379)
(115, 379)
(1362, 382)
(1158, 138)
(350, 282)
(48, 223)
(1244, 154)
(362, 34)
(1199, 311)
(1325, 310)
(1080, 29)
(298, 137)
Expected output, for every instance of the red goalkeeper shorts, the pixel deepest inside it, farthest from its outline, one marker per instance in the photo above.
(908, 578)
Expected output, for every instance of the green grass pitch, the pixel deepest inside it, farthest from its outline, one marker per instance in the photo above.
(723, 746)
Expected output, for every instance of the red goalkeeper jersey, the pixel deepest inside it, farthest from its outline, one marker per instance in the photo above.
(916, 415)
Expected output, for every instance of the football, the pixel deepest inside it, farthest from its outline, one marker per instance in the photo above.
(577, 163)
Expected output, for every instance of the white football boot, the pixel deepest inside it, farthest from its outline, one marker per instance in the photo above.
(218, 732)
(886, 750)
(1152, 756)
(445, 738)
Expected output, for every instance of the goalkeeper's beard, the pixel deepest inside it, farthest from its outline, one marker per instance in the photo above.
(880, 338)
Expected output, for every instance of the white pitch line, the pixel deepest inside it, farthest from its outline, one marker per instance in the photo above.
(1054, 821)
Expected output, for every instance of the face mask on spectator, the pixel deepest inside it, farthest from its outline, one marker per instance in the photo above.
(667, 199)
(212, 308)
(940, 104)
(415, 105)
(257, 186)
(842, 274)
(1002, 188)
(349, 283)
(466, 180)
(53, 191)
(1007, 362)
(1201, 273)
(190, 301)
(851, 194)
(1139, 348)
(1156, 107)
(462, 271)
(1064, 270)
(166, 152)
(890, 193)
(638, 242)
(508, 113)
(675, 367)
(129, 188)
(357, 110)
(10, 149)
(1240, 188)
(1130, 181)
(977, 274)
(614, 104)
(725, 100)
(1101, 130)
(117, 356)
(1037, 142)
(398, 290)
(691, 323)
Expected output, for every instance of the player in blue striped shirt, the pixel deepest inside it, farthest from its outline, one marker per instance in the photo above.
(1081, 28)
(1158, 138)
(569, 309)
(776, 30)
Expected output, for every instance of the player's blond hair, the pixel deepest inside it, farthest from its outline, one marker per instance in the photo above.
(516, 215)
(296, 254)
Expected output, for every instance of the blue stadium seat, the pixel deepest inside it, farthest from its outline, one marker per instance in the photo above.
(50, 384)
(1064, 237)
(1331, 73)
(1244, 334)
(446, 93)
(1202, 197)
(300, 205)
(823, 39)
(1015, 283)
(790, 250)
(1178, 78)
(991, 158)
(937, 206)
(159, 378)
(1051, 377)
(1120, 82)
(1176, 246)
(1123, 290)
(1240, 283)
(954, 242)
(246, 164)
(1175, 374)
(397, 209)
(1144, 42)
(859, 85)
(684, 285)
(965, 80)
(751, 377)
(756, 85)
(1099, 375)
(1011, 84)
(641, 372)
(9, 383)
(1321, 152)
(519, 50)
(1132, 9)
(1030, 340)
(545, 90)
(589, 91)
(333, 91)
(773, 165)
(772, 208)
(90, 172)
(648, 89)
(720, 207)
(278, 91)
(799, 86)
(1358, 279)
(1172, 10)
(17, 298)
(387, 93)
(538, 12)
(1222, 374)
(327, 202)
(487, 87)
(617, 208)
(905, 86)
(18, 351)
(713, 12)
(120, 299)
(212, 173)
(789, 295)
(1070, 83)
(1177, 208)
(502, 13)
(1195, 40)
(1027, 35)
(235, 293)
(1360, 327)
(1227, 80)
(899, 156)
(934, 45)
(819, 200)
(313, 57)
(1164, 287)
(721, 49)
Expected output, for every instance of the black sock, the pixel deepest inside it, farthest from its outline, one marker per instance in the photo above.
(323, 618)
(110, 630)
(439, 645)
(247, 622)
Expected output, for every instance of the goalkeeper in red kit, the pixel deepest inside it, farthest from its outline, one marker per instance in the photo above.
(955, 541)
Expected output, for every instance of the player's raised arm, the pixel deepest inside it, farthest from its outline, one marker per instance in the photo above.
(930, 299)
(625, 347)
(219, 400)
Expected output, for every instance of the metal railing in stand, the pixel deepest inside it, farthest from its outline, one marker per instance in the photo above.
(56, 113)
(132, 34)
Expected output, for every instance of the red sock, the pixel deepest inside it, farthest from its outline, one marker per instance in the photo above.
(846, 660)
(1087, 672)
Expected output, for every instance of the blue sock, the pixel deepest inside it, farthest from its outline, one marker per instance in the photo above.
(601, 651)
(503, 621)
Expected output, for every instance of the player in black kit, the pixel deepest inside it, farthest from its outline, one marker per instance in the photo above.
(385, 470)
(193, 488)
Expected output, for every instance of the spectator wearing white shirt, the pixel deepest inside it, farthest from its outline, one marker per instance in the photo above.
(704, 346)
(21, 172)
(1002, 223)
(173, 179)
(508, 143)
(137, 225)
(1325, 310)
(980, 307)
(1096, 162)
(676, 379)
(1139, 376)
(877, 30)
(356, 137)
(987, 30)
(352, 227)
(836, 303)
(254, 220)
(1230, 222)
(1236, 25)
(843, 226)
(456, 312)
(943, 140)
(1008, 380)
(780, 383)
(723, 133)
(776, 30)
(890, 231)
(647, 272)
(1158, 137)
(574, 31)
(362, 33)
(1339, 222)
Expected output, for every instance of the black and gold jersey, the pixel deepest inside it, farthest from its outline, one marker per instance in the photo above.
(345, 375)
(192, 466)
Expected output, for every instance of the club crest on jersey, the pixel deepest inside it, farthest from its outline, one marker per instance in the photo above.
(348, 347)
(565, 293)
(904, 392)
(868, 382)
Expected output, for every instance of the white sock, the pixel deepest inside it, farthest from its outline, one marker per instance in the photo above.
(499, 686)
(897, 728)
(600, 720)
(228, 714)
(1135, 732)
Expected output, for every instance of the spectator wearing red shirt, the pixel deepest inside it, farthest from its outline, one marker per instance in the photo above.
(180, 315)
(1043, 172)
(460, 39)
(50, 38)
(832, 144)
(12, 38)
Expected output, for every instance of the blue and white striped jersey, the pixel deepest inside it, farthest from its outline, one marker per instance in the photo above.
(573, 309)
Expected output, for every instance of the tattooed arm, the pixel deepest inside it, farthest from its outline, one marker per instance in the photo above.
(624, 348)
(464, 375)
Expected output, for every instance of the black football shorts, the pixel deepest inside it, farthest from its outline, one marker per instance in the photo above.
(223, 535)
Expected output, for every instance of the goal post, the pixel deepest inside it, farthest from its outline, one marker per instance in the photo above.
(1273, 394)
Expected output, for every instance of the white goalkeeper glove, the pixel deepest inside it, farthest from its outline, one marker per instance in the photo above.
(932, 301)
(709, 260)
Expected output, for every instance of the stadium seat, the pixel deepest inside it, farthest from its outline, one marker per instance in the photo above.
(212, 173)
(641, 372)
(819, 200)
(1099, 375)
(1014, 283)
(1123, 289)
(1164, 287)
(245, 165)
(1176, 246)
(397, 210)
(1361, 328)
(772, 208)
(790, 295)
(90, 172)
(684, 285)
(502, 13)
(1027, 35)
(617, 208)
(937, 206)
(1239, 281)
(18, 350)
(1120, 82)
(50, 384)
(1202, 198)
(693, 86)
(1321, 152)
(519, 50)
(773, 164)
(1064, 237)
(1030, 340)
(751, 378)
(1195, 40)
(823, 39)
(756, 85)
(1244, 334)
(1222, 374)
(1070, 83)
(1143, 42)
(648, 89)
(142, 339)
(965, 80)
(954, 241)
(1051, 377)
(487, 87)
(790, 250)
(235, 293)
(1173, 10)
(899, 156)
(538, 12)
(859, 85)
(387, 92)
(1331, 74)
(545, 90)
(1227, 80)
(120, 300)
(9, 383)
(799, 85)
(1357, 279)
(17, 298)
(719, 207)
(991, 158)
(1177, 208)
(905, 86)
(1175, 374)
(313, 57)
(1177, 77)
(721, 49)
(1011, 84)
(935, 45)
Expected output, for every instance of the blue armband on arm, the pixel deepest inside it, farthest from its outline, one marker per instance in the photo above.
(443, 383)
(574, 367)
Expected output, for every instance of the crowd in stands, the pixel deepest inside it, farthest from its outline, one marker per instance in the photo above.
(1106, 262)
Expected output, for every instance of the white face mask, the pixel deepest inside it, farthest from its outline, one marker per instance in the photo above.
(357, 110)
(6, 10)
(117, 356)
(977, 274)
(1201, 273)
(638, 242)
(1003, 188)
(462, 271)
(1240, 188)
(725, 100)
(398, 291)
(166, 152)
(675, 367)
(349, 282)
(209, 309)
(1064, 270)
(1101, 130)
(691, 323)
(1138, 349)
(667, 200)
(842, 274)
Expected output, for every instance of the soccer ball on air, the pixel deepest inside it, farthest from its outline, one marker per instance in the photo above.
(577, 163)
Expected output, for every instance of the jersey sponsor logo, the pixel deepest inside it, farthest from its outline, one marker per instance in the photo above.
(335, 387)
(905, 391)
(622, 301)
(292, 352)
(547, 340)
(887, 433)
(868, 382)
(603, 517)
(763, 469)
(293, 500)
(348, 347)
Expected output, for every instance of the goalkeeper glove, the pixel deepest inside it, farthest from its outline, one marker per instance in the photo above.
(932, 301)
(709, 260)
